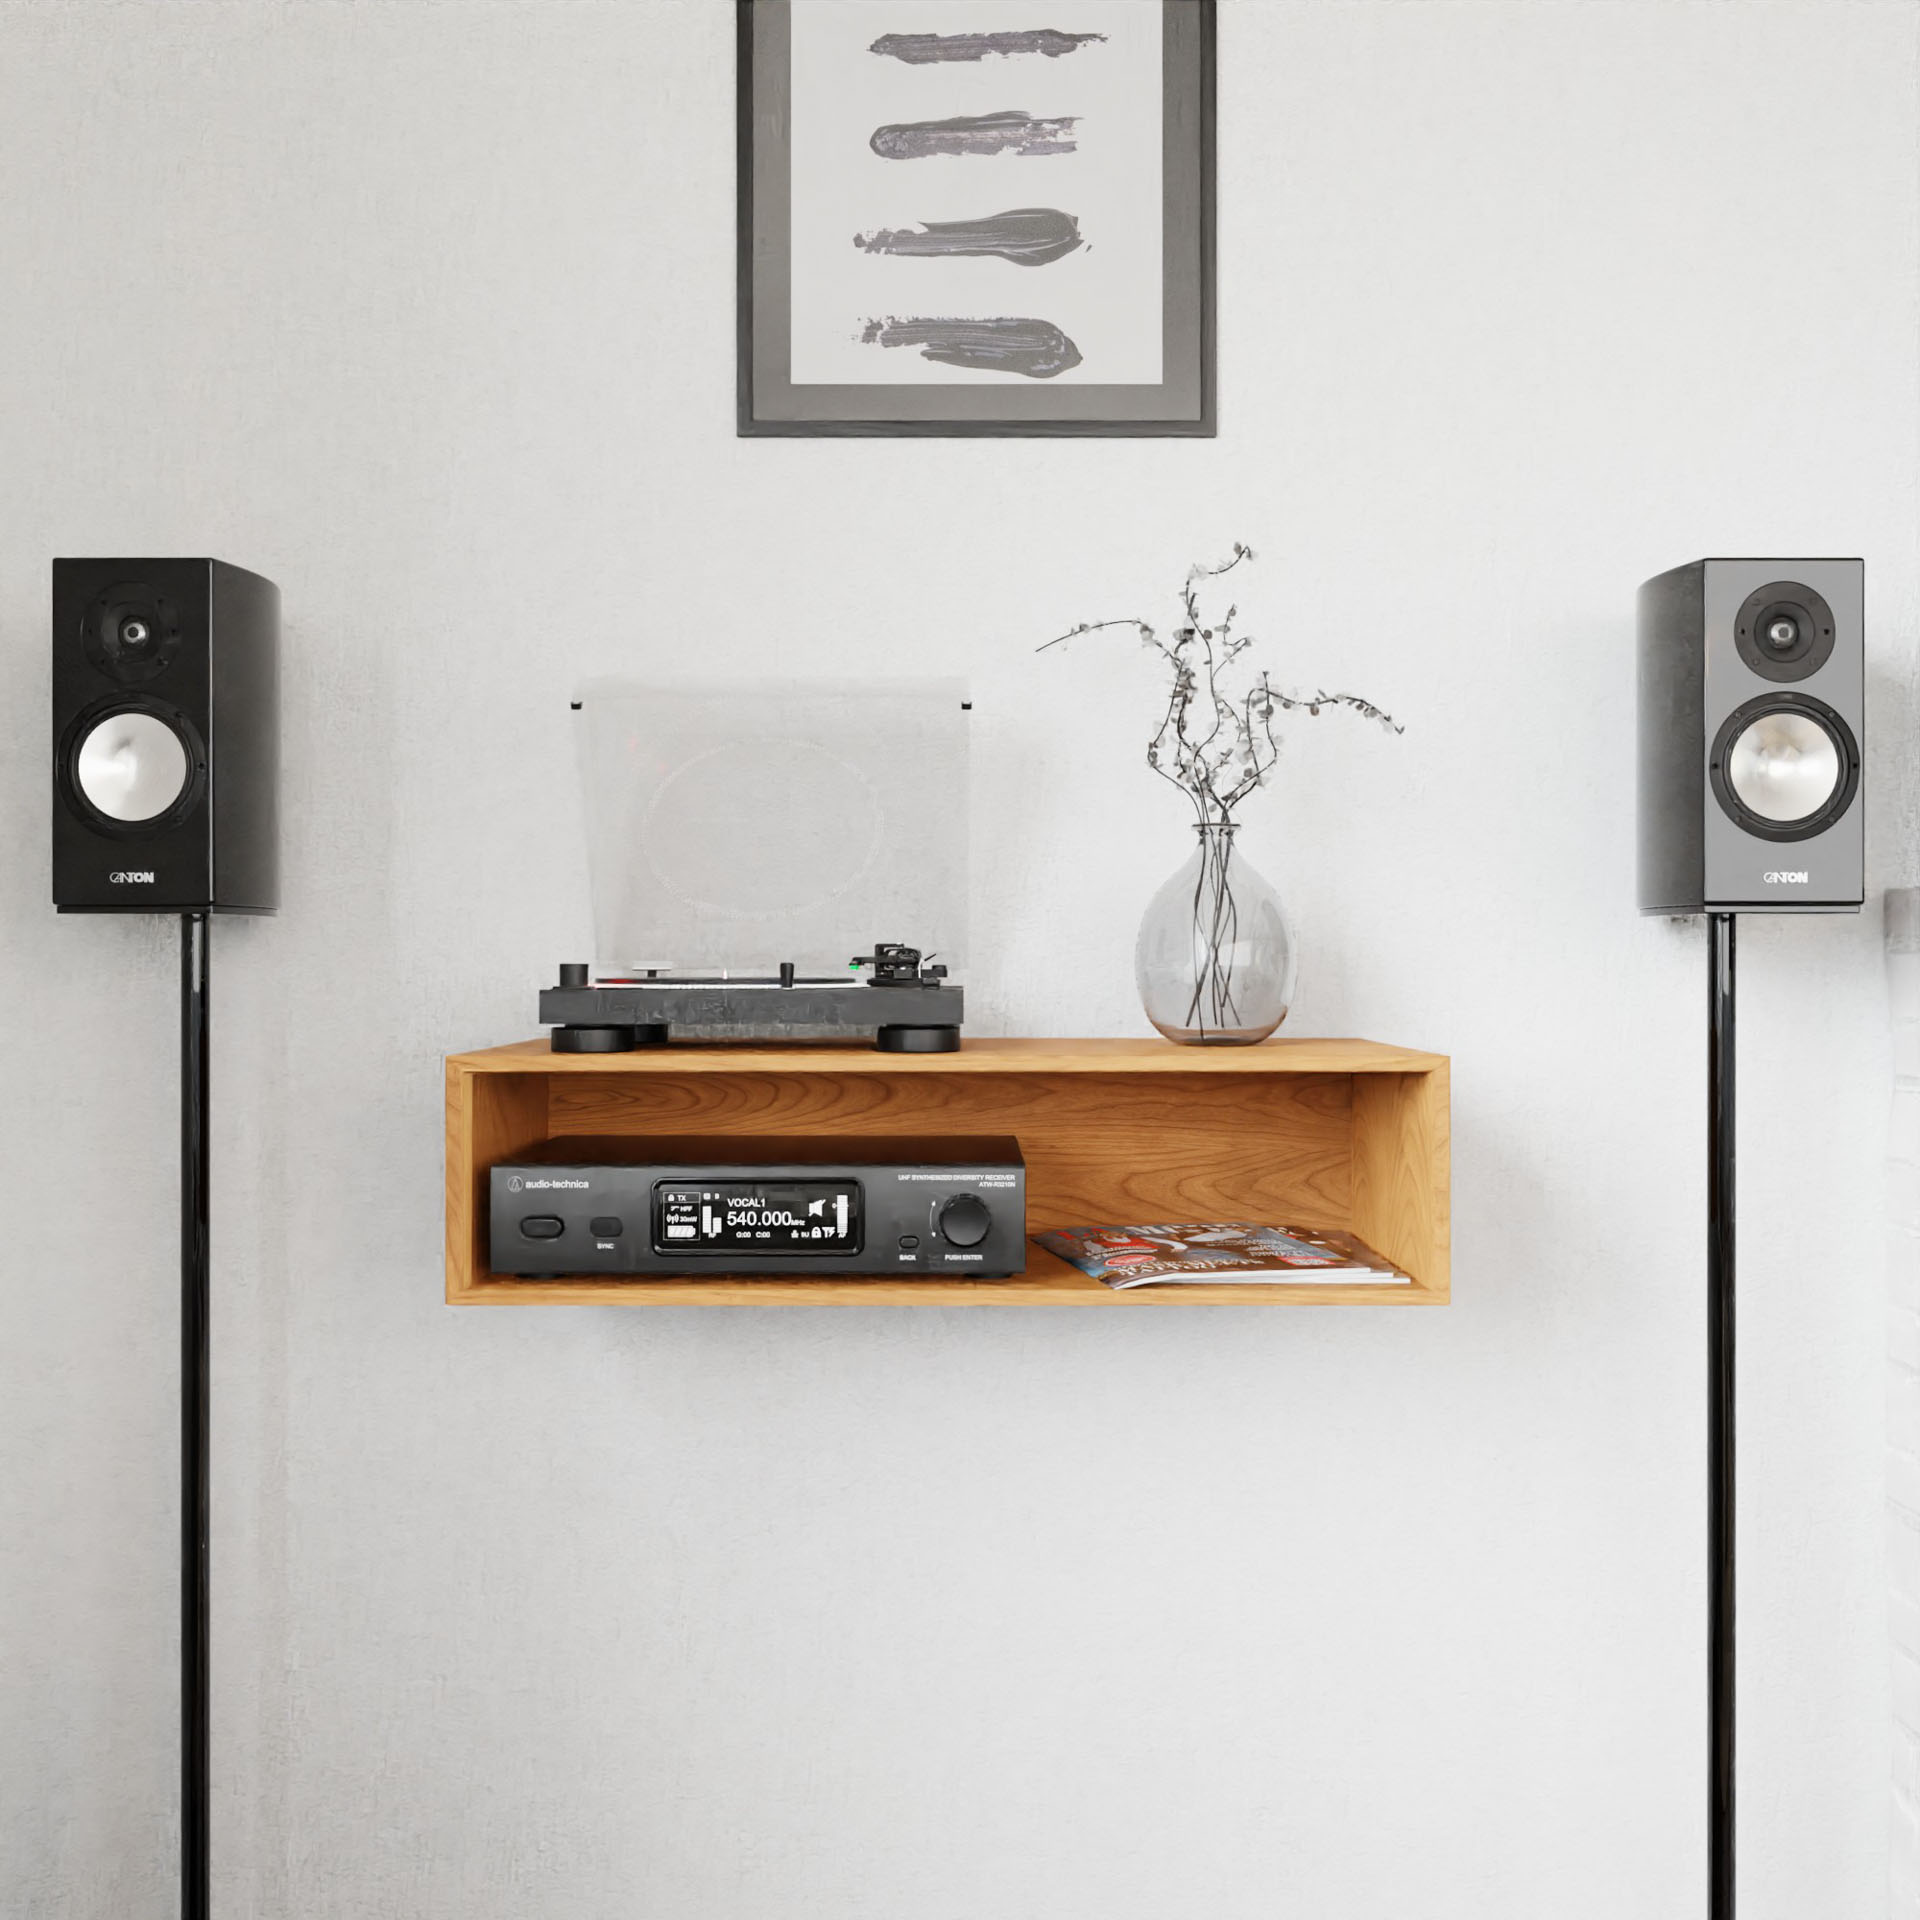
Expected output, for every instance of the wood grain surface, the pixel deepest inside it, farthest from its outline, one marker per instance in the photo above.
(1330, 1133)
(1402, 1170)
(975, 1056)
(1047, 1282)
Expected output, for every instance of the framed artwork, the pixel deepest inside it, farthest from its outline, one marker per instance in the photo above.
(956, 222)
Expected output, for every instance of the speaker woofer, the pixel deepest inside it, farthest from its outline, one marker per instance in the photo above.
(131, 768)
(1785, 766)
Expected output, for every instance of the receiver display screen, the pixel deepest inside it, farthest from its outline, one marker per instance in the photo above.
(756, 1216)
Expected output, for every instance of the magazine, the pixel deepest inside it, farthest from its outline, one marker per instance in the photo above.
(1219, 1253)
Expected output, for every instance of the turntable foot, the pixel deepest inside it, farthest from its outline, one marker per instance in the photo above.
(918, 1040)
(606, 1039)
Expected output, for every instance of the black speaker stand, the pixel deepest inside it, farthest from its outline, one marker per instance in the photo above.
(1720, 1516)
(195, 1160)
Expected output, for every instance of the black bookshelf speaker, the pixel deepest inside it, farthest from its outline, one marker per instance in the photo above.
(166, 737)
(1752, 737)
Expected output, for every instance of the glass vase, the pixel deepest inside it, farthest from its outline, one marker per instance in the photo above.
(1215, 961)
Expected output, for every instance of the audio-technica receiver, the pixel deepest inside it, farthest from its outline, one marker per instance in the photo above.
(695, 1204)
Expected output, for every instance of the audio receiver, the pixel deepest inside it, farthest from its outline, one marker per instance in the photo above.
(695, 1204)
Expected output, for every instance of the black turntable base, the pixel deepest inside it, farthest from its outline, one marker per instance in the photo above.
(902, 1005)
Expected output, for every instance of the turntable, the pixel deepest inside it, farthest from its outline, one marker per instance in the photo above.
(891, 997)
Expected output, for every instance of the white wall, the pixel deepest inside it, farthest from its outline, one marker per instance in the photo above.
(426, 311)
(1903, 1392)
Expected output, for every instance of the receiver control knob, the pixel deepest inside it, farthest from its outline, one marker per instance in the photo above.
(964, 1220)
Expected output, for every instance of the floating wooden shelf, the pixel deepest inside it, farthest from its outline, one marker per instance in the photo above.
(1322, 1133)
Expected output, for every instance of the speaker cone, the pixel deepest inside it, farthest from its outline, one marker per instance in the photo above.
(1785, 766)
(131, 768)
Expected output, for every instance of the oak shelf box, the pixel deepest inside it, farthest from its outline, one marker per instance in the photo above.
(1324, 1133)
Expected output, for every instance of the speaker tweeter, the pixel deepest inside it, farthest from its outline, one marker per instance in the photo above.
(131, 632)
(1784, 631)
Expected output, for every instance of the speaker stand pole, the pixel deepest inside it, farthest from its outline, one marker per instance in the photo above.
(195, 1162)
(1720, 1406)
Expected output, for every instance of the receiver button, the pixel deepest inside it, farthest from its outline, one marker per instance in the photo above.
(964, 1220)
(606, 1226)
(543, 1226)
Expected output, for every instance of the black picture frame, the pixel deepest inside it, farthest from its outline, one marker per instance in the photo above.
(1182, 404)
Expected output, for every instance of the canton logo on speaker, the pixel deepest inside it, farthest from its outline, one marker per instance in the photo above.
(1784, 879)
(131, 879)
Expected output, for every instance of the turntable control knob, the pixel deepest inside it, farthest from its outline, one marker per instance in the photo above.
(573, 973)
(964, 1220)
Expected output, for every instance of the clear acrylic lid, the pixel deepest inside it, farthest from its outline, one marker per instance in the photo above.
(738, 826)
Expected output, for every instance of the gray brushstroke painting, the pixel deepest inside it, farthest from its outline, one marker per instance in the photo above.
(1036, 348)
(983, 133)
(923, 49)
(1028, 236)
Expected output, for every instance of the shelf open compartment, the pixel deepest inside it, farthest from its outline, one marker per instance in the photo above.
(1347, 1134)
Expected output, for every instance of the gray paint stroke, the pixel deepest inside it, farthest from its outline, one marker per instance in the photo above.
(1035, 348)
(924, 49)
(1028, 236)
(982, 133)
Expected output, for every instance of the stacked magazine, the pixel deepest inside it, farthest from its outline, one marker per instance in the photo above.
(1220, 1253)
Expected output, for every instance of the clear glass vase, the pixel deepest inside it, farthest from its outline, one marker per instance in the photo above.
(1215, 961)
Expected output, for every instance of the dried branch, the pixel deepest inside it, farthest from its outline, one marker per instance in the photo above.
(1213, 743)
